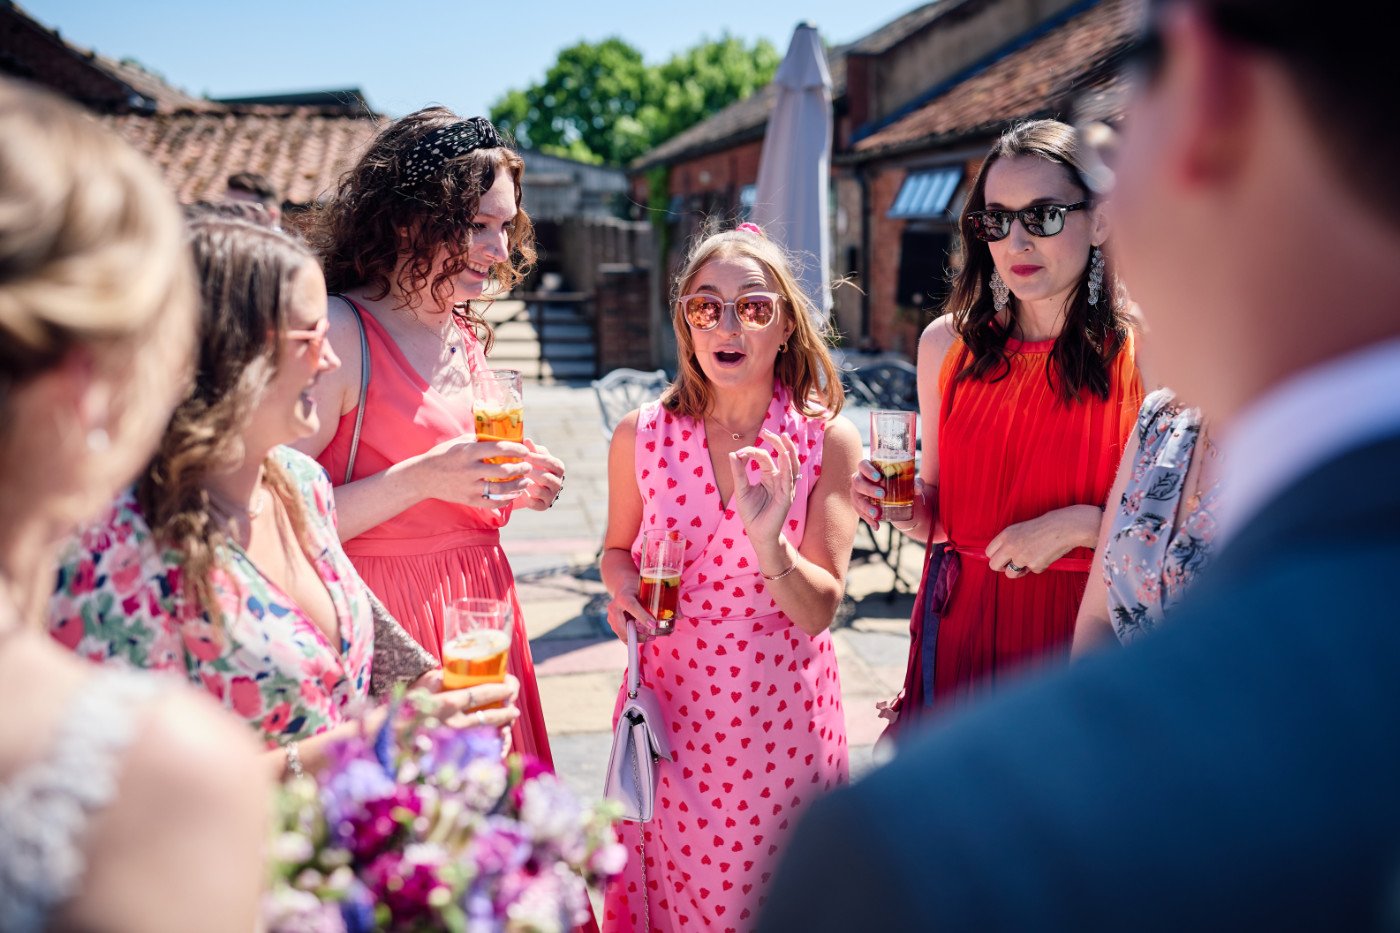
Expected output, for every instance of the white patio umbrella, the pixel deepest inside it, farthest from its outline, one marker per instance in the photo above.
(792, 201)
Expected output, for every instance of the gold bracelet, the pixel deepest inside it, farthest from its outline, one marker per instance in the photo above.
(778, 576)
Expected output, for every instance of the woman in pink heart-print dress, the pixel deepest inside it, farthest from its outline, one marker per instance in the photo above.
(745, 457)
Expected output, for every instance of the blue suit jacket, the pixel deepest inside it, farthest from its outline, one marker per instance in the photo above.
(1238, 770)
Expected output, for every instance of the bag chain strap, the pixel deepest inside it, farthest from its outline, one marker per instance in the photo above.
(641, 853)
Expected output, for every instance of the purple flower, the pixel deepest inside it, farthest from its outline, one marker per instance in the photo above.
(498, 847)
(456, 748)
(411, 883)
(357, 910)
(349, 784)
(366, 833)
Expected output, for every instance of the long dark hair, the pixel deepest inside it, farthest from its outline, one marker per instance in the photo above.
(245, 277)
(370, 220)
(1092, 335)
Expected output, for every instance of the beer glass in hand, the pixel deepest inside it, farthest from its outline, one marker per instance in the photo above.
(476, 642)
(892, 451)
(498, 402)
(662, 554)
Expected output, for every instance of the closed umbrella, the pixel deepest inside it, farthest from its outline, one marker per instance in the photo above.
(794, 173)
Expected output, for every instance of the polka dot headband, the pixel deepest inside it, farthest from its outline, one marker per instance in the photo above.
(444, 144)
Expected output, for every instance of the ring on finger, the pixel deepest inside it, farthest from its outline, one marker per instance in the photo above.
(480, 718)
(1014, 568)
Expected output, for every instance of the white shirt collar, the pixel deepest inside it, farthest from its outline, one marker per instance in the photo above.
(1303, 422)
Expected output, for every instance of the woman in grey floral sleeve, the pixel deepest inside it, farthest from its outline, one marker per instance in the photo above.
(1159, 529)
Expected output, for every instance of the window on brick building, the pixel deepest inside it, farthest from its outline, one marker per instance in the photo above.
(923, 267)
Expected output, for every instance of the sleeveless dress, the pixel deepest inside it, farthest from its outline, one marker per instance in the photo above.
(1009, 450)
(433, 552)
(45, 807)
(1149, 559)
(120, 600)
(752, 704)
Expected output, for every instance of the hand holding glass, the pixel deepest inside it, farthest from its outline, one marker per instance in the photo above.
(663, 553)
(476, 642)
(498, 403)
(892, 436)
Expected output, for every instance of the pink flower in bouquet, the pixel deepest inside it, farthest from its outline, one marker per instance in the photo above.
(411, 883)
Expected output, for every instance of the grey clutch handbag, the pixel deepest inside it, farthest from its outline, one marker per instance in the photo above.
(638, 744)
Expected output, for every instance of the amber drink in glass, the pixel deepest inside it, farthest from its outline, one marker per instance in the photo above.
(892, 435)
(662, 556)
(476, 642)
(499, 408)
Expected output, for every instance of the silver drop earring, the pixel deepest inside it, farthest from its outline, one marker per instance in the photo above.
(1001, 293)
(1096, 264)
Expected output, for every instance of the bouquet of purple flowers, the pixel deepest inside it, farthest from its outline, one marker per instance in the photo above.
(435, 832)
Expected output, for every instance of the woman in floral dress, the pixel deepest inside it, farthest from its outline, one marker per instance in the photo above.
(745, 457)
(223, 562)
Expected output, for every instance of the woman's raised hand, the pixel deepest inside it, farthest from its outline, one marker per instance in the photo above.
(456, 471)
(763, 506)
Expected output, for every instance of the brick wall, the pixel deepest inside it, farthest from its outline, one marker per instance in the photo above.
(625, 318)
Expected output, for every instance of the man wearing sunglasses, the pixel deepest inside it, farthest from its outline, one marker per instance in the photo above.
(1240, 769)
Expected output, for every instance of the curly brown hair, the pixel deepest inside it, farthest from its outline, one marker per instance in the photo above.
(1092, 335)
(380, 231)
(245, 276)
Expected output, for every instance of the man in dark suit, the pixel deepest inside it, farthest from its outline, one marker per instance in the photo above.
(1240, 769)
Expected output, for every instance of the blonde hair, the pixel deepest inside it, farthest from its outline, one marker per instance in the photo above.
(805, 368)
(92, 256)
(246, 275)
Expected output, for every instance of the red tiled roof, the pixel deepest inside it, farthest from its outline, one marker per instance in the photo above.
(1027, 82)
(301, 150)
(748, 118)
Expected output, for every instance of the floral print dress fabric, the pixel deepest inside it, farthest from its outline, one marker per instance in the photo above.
(121, 599)
(1158, 544)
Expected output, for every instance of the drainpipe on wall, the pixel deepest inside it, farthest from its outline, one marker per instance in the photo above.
(866, 222)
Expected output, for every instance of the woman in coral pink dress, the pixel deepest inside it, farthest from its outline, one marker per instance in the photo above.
(744, 456)
(416, 231)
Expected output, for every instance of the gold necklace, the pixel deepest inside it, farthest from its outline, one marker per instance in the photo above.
(735, 435)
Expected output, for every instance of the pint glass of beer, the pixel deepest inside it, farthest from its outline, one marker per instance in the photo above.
(662, 556)
(498, 403)
(892, 436)
(476, 642)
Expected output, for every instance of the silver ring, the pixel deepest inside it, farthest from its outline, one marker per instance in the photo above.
(1014, 569)
(480, 719)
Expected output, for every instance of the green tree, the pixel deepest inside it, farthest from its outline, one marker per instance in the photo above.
(600, 102)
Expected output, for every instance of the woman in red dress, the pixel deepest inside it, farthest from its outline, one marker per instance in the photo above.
(1028, 389)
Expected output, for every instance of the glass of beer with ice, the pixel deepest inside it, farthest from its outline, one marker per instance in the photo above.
(476, 642)
(499, 406)
(662, 556)
(892, 436)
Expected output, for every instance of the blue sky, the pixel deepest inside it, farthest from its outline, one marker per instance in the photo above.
(407, 53)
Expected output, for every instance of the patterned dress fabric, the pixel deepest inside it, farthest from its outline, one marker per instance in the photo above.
(45, 807)
(1010, 450)
(434, 552)
(752, 704)
(120, 598)
(1158, 543)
